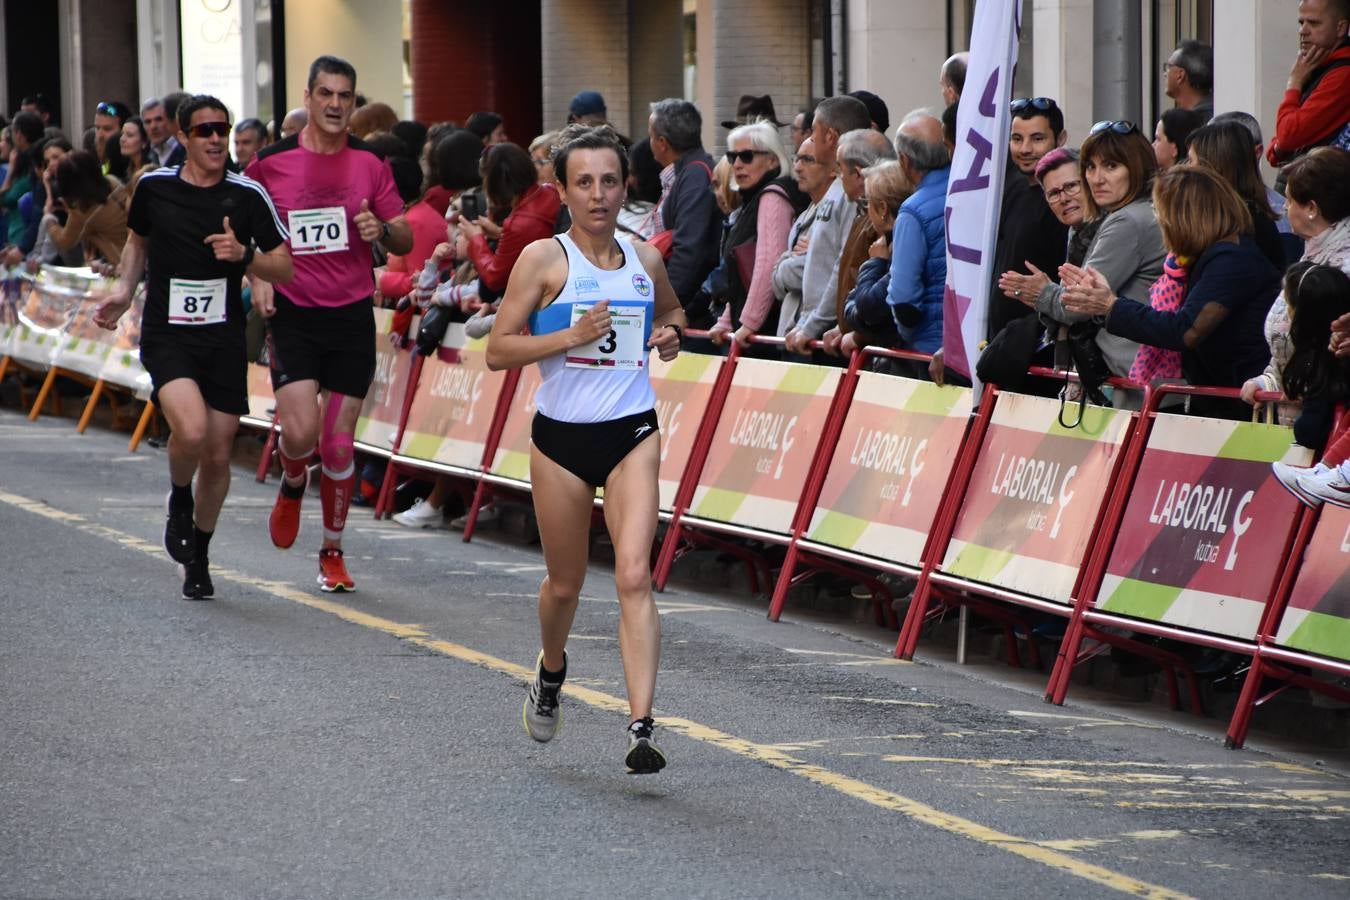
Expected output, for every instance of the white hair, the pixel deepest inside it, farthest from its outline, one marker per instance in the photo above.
(762, 135)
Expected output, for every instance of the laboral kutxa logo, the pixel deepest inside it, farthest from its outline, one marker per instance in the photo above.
(642, 285)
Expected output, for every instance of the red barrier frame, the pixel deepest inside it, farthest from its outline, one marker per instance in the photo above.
(1270, 660)
(823, 558)
(1086, 621)
(963, 592)
(682, 536)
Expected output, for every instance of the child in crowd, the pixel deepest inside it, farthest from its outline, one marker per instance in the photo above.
(1317, 295)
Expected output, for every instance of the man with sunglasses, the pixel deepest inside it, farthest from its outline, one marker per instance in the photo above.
(1028, 232)
(338, 198)
(198, 229)
(108, 121)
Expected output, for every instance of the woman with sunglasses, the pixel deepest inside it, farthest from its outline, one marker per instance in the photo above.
(1230, 286)
(1125, 246)
(769, 201)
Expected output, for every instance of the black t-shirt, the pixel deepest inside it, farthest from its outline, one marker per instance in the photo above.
(175, 217)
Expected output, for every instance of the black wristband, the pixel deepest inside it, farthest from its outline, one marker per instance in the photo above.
(678, 330)
(248, 255)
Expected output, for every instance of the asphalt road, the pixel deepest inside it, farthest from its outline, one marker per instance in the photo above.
(278, 742)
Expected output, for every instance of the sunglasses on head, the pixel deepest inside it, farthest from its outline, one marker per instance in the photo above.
(106, 109)
(206, 129)
(1039, 103)
(1119, 127)
(745, 156)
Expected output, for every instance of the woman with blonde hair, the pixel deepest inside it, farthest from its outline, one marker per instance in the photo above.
(866, 311)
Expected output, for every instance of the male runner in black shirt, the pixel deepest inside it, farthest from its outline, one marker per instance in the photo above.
(198, 229)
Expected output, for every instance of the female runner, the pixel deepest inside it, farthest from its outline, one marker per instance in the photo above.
(595, 308)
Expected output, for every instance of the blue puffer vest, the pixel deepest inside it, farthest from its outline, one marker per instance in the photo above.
(927, 204)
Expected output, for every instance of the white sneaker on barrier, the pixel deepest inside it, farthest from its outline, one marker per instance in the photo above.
(1326, 485)
(1289, 476)
(420, 515)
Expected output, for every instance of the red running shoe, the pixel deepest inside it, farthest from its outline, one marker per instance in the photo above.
(333, 575)
(284, 523)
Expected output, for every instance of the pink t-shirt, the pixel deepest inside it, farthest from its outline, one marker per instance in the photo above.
(317, 196)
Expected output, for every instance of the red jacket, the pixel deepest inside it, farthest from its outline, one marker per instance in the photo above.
(1300, 123)
(531, 219)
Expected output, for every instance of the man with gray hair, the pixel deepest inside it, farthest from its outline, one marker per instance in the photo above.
(687, 207)
(161, 131)
(835, 117)
(857, 151)
(1189, 77)
(919, 242)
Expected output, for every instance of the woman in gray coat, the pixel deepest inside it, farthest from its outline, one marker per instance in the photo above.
(1118, 165)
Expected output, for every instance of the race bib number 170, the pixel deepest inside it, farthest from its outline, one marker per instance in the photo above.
(322, 230)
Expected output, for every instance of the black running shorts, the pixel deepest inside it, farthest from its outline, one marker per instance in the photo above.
(333, 345)
(591, 450)
(220, 370)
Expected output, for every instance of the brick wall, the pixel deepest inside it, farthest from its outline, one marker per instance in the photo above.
(476, 55)
(758, 47)
(585, 48)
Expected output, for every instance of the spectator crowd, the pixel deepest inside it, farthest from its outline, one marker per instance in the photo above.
(1142, 251)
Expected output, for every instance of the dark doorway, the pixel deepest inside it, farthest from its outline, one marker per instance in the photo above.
(33, 54)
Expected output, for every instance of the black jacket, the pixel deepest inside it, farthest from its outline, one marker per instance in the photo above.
(1027, 230)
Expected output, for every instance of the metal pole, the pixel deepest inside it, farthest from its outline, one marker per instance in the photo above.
(1116, 44)
(279, 107)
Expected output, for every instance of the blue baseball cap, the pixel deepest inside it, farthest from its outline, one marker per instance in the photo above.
(587, 103)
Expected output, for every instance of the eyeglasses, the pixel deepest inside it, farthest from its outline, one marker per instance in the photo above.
(1069, 189)
(1119, 126)
(539, 163)
(1044, 104)
(1169, 66)
(745, 156)
(206, 129)
(106, 109)
(806, 159)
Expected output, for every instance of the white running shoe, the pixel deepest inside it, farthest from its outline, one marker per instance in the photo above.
(420, 515)
(1288, 476)
(543, 711)
(1326, 485)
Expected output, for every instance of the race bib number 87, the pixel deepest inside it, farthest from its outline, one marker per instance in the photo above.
(196, 302)
(622, 348)
(322, 230)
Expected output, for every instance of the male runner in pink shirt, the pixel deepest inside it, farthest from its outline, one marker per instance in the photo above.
(337, 198)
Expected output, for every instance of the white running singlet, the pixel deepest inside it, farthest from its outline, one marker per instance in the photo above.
(608, 378)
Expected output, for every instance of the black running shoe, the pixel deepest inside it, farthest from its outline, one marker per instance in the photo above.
(179, 538)
(197, 581)
(644, 757)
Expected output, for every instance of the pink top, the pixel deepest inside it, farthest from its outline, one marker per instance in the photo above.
(316, 193)
(429, 229)
(771, 234)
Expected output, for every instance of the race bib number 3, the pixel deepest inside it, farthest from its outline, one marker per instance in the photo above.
(622, 348)
(322, 230)
(196, 302)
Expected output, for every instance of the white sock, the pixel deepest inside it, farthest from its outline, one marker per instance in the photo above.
(1344, 469)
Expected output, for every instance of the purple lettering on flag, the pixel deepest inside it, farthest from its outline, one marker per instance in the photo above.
(956, 251)
(987, 98)
(976, 178)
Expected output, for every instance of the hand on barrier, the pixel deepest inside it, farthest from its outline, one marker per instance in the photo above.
(1249, 389)
(936, 369)
(666, 342)
(849, 345)
(798, 342)
(831, 340)
(719, 334)
(225, 245)
(743, 336)
(1021, 287)
(1340, 336)
(264, 298)
(368, 225)
(594, 324)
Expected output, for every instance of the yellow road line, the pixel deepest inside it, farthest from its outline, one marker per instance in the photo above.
(850, 787)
